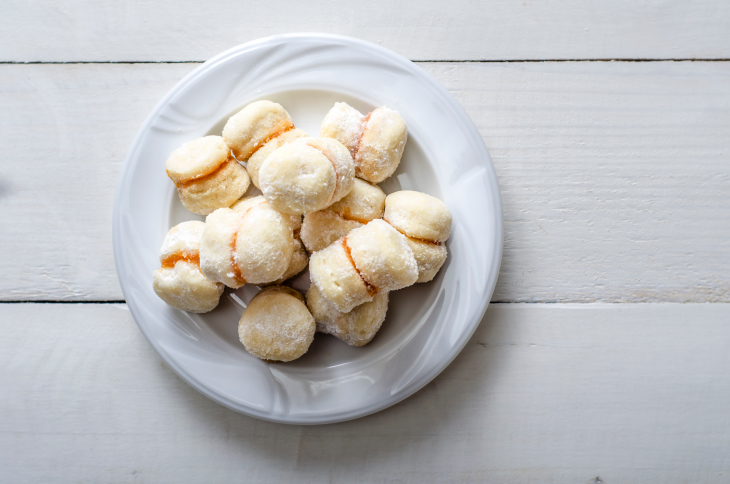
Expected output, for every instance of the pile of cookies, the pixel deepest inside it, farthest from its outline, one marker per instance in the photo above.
(320, 205)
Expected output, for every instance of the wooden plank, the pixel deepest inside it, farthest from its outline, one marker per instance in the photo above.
(593, 393)
(66, 130)
(614, 176)
(138, 30)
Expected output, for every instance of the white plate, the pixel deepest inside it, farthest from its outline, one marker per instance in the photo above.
(427, 324)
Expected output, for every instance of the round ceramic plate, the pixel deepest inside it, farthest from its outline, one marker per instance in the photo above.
(427, 324)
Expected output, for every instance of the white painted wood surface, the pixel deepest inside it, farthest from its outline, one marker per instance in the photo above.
(613, 393)
(614, 176)
(615, 179)
(138, 30)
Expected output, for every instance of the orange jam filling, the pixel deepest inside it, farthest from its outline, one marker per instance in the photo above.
(359, 140)
(283, 127)
(237, 275)
(347, 215)
(372, 290)
(234, 260)
(426, 241)
(191, 257)
(204, 176)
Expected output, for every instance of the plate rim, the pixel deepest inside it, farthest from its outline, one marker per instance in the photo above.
(490, 280)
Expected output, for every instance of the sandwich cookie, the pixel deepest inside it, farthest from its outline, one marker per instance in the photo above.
(426, 223)
(376, 140)
(371, 259)
(306, 175)
(252, 243)
(364, 203)
(179, 282)
(356, 328)
(207, 177)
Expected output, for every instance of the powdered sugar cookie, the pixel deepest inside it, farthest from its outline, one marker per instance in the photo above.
(179, 282)
(370, 259)
(382, 256)
(245, 203)
(307, 174)
(321, 228)
(426, 222)
(206, 176)
(429, 257)
(297, 264)
(376, 141)
(276, 325)
(356, 328)
(333, 272)
(257, 159)
(255, 125)
(251, 244)
(364, 203)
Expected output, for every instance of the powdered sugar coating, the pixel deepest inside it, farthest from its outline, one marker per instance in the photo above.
(264, 245)
(376, 141)
(216, 190)
(429, 257)
(307, 174)
(245, 203)
(297, 178)
(323, 227)
(257, 159)
(365, 202)
(297, 264)
(382, 256)
(418, 215)
(250, 128)
(276, 325)
(345, 124)
(182, 285)
(342, 163)
(337, 279)
(183, 239)
(196, 158)
(254, 243)
(216, 246)
(356, 328)
(185, 287)
(381, 145)
(296, 223)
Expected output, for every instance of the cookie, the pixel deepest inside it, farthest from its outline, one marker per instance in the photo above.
(306, 175)
(206, 176)
(276, 325)
(364, 203)
(371, 259)
(356, 328)
(250, 244)
(179, 282)
(375, 140)
(254, 126)
(426, 222)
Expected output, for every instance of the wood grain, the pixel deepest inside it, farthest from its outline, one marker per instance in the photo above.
(614, 176)
(188, 30)
(66, 130)
(628, 393)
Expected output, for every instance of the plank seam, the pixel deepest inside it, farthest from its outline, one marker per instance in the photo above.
(500, 303)
(107, 301)
(509, 61)
(438, 61)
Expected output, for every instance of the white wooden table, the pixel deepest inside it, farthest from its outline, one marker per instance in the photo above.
(606, 356)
